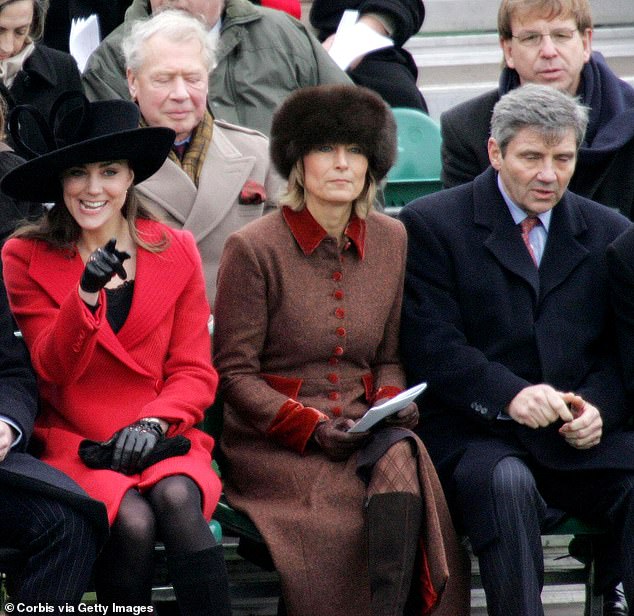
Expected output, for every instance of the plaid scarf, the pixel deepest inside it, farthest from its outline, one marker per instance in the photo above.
(194, 158)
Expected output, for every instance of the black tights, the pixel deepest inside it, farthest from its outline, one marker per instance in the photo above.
(171, 511)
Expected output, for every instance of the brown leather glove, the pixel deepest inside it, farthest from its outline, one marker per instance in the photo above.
(336, 442)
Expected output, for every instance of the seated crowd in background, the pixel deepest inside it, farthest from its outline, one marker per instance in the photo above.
(294, 374)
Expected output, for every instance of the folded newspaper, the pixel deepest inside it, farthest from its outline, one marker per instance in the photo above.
(393, 405)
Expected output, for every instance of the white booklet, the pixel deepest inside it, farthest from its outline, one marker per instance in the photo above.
(393, 405)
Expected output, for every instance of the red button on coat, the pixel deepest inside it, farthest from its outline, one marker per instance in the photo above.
(333, 361)
(340, 331)
(333, 395)
(337, 276)
(340, 313)
(333, 378)
(338, 350)
(338, 294)
(336, 410)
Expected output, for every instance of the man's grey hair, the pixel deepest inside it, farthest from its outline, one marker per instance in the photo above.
(544, 109)
(176, 26)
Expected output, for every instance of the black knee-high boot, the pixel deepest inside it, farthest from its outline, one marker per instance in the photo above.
(201, 584)
(394, 521)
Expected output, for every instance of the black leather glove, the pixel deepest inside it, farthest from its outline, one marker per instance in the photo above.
(102, 265)
(133, 445)
(99, 454)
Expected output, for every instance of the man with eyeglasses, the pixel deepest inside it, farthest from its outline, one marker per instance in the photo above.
(549, 42)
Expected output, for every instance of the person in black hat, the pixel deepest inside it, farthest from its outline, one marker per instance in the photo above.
(305, 344)
(55, 527)
(112, 307)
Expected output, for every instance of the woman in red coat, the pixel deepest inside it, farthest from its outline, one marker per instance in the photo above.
(112, 307)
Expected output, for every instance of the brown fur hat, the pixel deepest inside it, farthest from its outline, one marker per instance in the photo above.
(333, 114)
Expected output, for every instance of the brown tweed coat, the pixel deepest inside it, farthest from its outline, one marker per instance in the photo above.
(299, 321)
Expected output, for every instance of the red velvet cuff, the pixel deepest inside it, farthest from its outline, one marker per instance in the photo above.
(294, 424)
(387, 391)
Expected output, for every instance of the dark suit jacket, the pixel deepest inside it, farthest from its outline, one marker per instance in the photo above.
(604, 172)
(480, 323)
(18, 402)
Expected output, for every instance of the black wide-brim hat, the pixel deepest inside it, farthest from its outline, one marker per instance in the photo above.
(333, 114)
(87, 133)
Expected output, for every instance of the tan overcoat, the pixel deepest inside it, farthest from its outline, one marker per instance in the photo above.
(300, 321)
(213, 210)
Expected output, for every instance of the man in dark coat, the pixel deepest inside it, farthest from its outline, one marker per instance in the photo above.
(526, 406)
(43, 513)
(562, 59)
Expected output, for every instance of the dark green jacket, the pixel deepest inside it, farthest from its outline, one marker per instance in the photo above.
(263, 56)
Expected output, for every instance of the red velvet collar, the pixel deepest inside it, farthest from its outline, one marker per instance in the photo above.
(309, 233)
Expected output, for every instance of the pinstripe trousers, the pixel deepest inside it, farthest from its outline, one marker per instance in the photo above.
(512, 566)
(59, 544)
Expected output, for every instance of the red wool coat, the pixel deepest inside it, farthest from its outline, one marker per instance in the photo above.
(94, 382)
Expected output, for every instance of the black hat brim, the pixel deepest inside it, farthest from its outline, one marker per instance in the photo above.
(145, 150)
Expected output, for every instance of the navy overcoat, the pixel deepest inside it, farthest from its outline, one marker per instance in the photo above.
(480, 323)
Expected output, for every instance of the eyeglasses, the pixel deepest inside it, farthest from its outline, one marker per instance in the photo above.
(534, 39)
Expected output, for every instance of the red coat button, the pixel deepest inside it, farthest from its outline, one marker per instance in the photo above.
(338, 350)
(333, 361)
(333, 395)
(338, 294)
(336, 410)
(340, 313)
(337, 276)
(340, 331)
(333, 378)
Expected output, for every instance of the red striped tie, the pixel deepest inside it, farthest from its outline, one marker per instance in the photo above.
(527, 225)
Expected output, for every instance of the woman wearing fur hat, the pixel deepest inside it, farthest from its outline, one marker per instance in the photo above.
(305, 344)
(112, 307)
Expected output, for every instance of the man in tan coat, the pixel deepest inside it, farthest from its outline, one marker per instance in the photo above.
(218, 176)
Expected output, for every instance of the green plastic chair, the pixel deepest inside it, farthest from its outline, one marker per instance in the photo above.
(418, 163)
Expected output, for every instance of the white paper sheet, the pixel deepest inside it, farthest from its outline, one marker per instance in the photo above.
(354, 39)
(84, 38)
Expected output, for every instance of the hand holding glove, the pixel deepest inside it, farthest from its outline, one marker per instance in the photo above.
(133, 445)
(101, 267)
